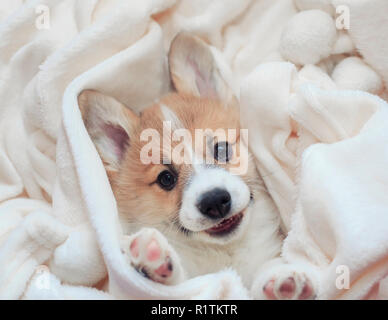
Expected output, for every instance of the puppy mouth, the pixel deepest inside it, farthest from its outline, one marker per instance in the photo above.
(226, 226)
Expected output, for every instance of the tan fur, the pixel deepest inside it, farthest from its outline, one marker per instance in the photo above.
(139, 198)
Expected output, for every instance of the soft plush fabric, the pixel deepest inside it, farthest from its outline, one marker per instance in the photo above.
(318, 132)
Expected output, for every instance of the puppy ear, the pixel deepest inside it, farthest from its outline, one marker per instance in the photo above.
(109, 124)
(193, 69)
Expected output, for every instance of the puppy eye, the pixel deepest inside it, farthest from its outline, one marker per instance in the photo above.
(166, 180)
(223, 151)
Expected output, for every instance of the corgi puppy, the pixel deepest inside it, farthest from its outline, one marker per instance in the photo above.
(192, 217)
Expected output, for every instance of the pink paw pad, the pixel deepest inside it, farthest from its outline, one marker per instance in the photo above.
(307, 292)
(269, 290)
(165, 270)
(134, 247)
(287, 288)
(153, 250)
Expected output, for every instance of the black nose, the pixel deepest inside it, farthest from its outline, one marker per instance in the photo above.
(215, 204)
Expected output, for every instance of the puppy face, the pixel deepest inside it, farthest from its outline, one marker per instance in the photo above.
(174, 166)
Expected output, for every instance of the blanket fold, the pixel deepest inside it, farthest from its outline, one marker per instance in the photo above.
(340, 149)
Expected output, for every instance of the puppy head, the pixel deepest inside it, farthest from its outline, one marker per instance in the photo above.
(158, 162)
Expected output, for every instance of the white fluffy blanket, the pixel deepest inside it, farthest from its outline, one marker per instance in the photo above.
(316, 125)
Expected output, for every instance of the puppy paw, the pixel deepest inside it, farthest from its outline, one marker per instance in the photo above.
(280, 281)
(289, 286)
(150, 254)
